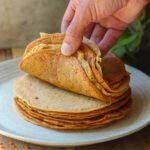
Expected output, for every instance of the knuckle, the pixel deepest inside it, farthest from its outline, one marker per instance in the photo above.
(115, 36)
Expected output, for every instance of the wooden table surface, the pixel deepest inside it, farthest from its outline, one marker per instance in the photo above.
(136, 141)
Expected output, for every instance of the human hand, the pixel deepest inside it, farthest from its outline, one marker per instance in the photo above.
(102, 21)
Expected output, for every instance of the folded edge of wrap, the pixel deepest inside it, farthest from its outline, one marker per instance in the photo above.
(83, 73)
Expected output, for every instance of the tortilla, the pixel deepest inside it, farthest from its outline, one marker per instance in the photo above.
(79, 73)
(50, 106)
(69, 124)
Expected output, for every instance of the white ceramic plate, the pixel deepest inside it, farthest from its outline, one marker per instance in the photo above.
(14, 126)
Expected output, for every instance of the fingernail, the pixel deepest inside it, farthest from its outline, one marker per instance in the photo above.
(66, 49)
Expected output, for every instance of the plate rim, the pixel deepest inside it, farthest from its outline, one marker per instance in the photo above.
(61, 143)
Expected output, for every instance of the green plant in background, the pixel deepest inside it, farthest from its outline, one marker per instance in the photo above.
(130, 40)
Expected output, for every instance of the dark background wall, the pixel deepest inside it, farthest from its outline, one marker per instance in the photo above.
(142, 57)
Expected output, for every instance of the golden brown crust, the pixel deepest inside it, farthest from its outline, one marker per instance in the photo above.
(113, 72)
(49, 38)
(50, 65)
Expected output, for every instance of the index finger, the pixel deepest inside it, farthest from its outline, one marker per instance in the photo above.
(68, 16)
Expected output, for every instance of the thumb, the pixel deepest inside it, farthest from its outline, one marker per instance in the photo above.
(74, 34)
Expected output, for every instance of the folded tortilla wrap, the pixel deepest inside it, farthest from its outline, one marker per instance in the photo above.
(85, 72)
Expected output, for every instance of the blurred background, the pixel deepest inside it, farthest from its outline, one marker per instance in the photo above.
(21, 22)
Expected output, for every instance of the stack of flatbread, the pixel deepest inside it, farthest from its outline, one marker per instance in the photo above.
(82, 91)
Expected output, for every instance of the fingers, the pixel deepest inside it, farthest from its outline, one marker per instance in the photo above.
(115, 27)
(109, 39)
(74, 33)
(98, 33)
(68, 16)
(79, 15)
(89, 30)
